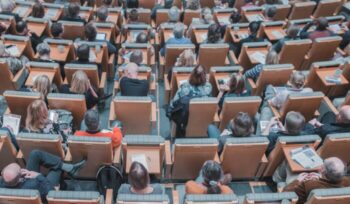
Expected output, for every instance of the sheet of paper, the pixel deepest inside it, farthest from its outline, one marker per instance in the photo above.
(13, 50)
(204, 36)
(12, 121)
(335, 27)
(258, 56)
(92, 56)
(277, 34)
(243, 35)
(141, 158)
(182, 81)
(51, 13)
(53, 116)
(101, 36)
(20, 10)
(257, 17)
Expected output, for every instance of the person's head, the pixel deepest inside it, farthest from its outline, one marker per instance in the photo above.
(236, 84)
(343, 115)
(11, 174)
(138, 176)
(37, 115)
(56, 30)
(136, 57)
(208, 18)
(198, 76)
(42, 84)
(214, 33)
(38, 11)
(142, 37)
(205, 11)
(131, 70)
(43, 49)
(297, 80)
(271, 12)
(7, 5)
(83, 52)
(272, 57)
(294, 122)
(193, 4)
(242, 125)
(235, 16)
(22, 28)
(174, 14)
(133, 15)
(102, 13)
(321, 24)
(92, 120)
(80, 82)
(292, 31)
(212, 173)
(73, 10)
(186, 58)
(132, 3)
(90, 32)
(333, 169)
(253, 27)
(179, 30)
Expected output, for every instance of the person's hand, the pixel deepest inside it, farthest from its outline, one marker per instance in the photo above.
(223, 87)
(29, 174)
(314, 122)
(312, 176)
(302, 177)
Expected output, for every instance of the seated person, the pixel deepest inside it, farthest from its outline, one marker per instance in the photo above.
(102, 14)
(83, 54)
(211, 180)
(73, 13)
(142, 37)
(80, 84)
(173, 17)
(253, 29)
(37, 120)
(91, 33)
(192, 5)
(42, 85)
(241, 125)
(57, 30)
(92, 122)
(14, 64)
(292, 34)
(38, 10)
(294, 125)
(43, 50)
(186, 59)
(235, 87)
(331, 123)
(253, 73)
(331, 175)
(6, 8)
(235, 17)
(270, 13)
(133, 17)
(22, 30)
(214, 34)
(14, 177)
(130, 85)
(139, 182)
(321, 30)
(177, 39)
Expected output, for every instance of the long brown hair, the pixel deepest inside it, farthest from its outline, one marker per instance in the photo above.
(42, 85)
(198, 76)
(236, 84)
(37, 116)
(80, 82)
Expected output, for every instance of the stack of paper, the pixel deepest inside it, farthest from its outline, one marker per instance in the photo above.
(51, 13)
(12, 50)
(277, 34)
(258, 56)
(306, 157)
(12, 122)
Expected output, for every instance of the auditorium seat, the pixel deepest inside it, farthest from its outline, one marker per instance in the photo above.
(330, 195)
(222, 15)
(147, 3)
(294, 51)
(198, 33)
(144, 73)
(62, 50)
(282, 12)
(235, 32)
(338, 102)
(276, 157)
(101, 55)
(161, 17)
(23, 8)
(53, 11)
(336, 145)
(77, 197)
(72, 30)
(272, 30)
(50, 69)
(207, 3)
(39, 26)
(302, 10)
(285, 197)
(244, 158)
(221, 73)
(144, 15)
(210, 55)
(107, 28)
(326, 8)
(179, 75)
(75, 103)
(189, 15)
(9, 23)
(146, 48)
(125, 108)
(79, 147)
(130, 32)
(23, 44)
(247, 58)
(8, 152)
(189, 155)
(141, 199)
(8, 81)
(268, 77)
(19, 196)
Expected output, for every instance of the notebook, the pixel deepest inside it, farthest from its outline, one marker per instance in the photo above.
(12, 121)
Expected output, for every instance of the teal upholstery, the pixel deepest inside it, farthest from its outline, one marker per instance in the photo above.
(271, 196)
(143, 140)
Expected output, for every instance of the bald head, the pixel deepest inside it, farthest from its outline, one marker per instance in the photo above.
(344, 114)
(11, 174)
(131, 70)
(334, 169)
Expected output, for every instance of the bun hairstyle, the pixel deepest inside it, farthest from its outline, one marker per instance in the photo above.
(212, 172)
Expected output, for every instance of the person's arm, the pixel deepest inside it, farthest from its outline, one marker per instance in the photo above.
(44, 184)
(303, 32)
(254, 72)
(272, 122)
(111, 48)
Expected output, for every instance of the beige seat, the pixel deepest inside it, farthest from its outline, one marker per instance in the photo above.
(282, 198)
(108, 28)
(171, 87)
(144, 14)
(211, 55)
(72, 30)
(9, 23)
(305, 103)
(142, 199)
(294, 51)
(101, 52)
(302, 10)
(207, 3)
(146, 48)
(276, 156)
(326, 8)
(8, 81)
(19, 196)
(336, 145)
(46, 67)
(8, 152)
(58, 55)
(222, 15)
(125, 108)
(75, 103)
(221, 73)
(130, 32)
(23, 44)
(80, 147)
(39, 26)
(162, 16)
(46, 142)
(76, 197)
(189, 15)
(282, 12)
(248, 50)
(234, 105)
(198, 120)
(18, 101)
(329, 195)
(149, 4)
(189, 156)
(53, 11)
(268, 76)
(269, 28)
(244, 158)
(322, 49)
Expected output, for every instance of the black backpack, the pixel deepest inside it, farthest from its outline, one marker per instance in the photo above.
(109, 177)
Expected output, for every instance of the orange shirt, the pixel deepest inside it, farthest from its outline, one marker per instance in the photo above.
(115, 135)
(193, 187)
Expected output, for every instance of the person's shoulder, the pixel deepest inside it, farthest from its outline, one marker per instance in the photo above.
(225, 189)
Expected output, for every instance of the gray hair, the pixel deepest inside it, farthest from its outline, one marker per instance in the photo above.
(174, 14)
(102, 13)
(7, 5)
(334, 169)
(43, 49)
(178, 30)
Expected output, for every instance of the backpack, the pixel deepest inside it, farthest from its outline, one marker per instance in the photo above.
(109, 177)
(64, 123)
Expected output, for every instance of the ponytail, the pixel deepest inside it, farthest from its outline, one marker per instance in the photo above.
(214, 187)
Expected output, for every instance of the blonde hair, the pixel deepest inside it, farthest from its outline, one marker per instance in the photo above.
(272, 57)
(37, 115)
(80, 82)
(186, 58)
(42, 85)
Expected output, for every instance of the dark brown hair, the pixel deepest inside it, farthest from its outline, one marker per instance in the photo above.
(138, 176)
(38, 11)
(198, 76)
(236, 84)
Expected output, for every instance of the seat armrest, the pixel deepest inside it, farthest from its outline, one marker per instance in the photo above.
(154, 114)
(112, 115)
(168, 160)
(233, 57)
(176, 199)
(262, 166)
(275, 111)
(103, 82)
(166, 89)
(252, 86)
(117, 155)
(68, 157)
(109, 196)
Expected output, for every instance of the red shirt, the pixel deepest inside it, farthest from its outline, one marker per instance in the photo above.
(115, 135)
